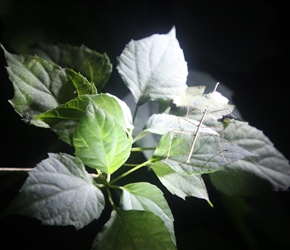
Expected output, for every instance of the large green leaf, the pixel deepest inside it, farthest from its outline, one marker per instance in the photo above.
(96, 67)
(210, 153)
(100, 141)
(64, 118)
(180, 184)
(267, 169)
(40, 85)
(153, 68)
(129, 230)
(59, 191)
(147, 197)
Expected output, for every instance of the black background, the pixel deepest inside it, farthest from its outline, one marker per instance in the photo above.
(244, 45)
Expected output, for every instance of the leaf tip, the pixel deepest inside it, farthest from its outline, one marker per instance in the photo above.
(172, 31)
(209, 202)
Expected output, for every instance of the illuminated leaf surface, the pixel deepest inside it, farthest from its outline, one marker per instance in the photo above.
(193, 102)
(163, 123)
(64, 118)
(267, 169)
(180, 184)
(59, 192)
(154, 68)
(133, 230)
(147, 197)
(210, 153)
(100, 141)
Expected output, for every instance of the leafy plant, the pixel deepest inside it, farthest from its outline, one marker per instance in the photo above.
(194, 135)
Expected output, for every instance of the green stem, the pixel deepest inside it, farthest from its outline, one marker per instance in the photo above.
(108, 178)
(102, 179)
(130, 165)
(110, 196)
(130, 171)
(140, 149)
(99, 185)
(135, 113)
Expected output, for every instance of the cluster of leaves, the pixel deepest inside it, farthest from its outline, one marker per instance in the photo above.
(61, 88)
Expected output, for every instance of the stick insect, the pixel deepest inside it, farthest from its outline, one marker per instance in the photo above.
(199, 127)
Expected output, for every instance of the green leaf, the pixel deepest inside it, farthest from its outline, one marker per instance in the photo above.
(129, 230)
(96, 67)
(41, 86)
(124, 116)
(100, 141)
(192, 104)
(163, 123)
(268, 169)
(210, 154)
(154, 68)
(64, 118)
(59, 192)
(147, 197)
(180, 184)
(82, 85)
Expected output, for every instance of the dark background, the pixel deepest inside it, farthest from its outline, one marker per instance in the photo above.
(244, 45)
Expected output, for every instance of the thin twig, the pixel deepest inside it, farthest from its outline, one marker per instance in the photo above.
(29, 169)
(15, 169)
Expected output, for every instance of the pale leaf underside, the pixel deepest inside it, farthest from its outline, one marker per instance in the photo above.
(268, 168)
(59, 192)
(153, 68)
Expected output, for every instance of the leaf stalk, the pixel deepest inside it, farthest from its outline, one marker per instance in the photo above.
(130, 171)
(140, 149)
(135, 113)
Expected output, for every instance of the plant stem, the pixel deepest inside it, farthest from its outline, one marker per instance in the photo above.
(94, 175)
(110, 196)
(135, 113)
(130, 171)
(29, 169)
(130, 165)
(15, 169)
(140, 149)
